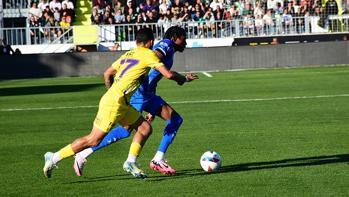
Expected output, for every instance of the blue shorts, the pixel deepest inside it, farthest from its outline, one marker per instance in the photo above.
(151, 106)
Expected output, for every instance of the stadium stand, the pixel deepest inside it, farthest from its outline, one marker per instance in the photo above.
(52, 22)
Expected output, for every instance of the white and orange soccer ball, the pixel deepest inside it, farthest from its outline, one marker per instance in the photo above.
(210, 161)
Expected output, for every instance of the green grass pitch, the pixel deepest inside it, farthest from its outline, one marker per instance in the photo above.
(280, 132)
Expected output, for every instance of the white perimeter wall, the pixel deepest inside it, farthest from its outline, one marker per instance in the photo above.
(61, 48)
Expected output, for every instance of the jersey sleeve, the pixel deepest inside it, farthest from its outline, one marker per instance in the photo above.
(163, 47)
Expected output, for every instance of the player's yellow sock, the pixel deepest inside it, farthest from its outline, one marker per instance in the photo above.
(67, 151)
(135, 150)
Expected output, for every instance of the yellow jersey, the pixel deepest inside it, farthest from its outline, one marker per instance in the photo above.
(131, 68)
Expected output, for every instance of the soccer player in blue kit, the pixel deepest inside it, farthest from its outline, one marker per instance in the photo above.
(145, 99)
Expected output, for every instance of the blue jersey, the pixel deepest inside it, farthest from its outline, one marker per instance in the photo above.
(148, 87)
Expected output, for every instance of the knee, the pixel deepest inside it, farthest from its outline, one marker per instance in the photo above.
(146, 129)
(179, 120)
(173, 124)
(149, 129)
(176, 121)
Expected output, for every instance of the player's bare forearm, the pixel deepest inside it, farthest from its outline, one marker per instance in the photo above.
(188, 78)
(109, 77)
(173, 75)
(180, 79)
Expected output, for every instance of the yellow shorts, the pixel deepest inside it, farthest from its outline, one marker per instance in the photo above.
(114, 110)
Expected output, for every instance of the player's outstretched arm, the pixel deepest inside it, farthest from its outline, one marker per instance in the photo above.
(109, 77)
(173, 75)
(191, 76)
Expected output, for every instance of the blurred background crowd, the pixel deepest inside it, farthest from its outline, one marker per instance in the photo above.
(61, 13)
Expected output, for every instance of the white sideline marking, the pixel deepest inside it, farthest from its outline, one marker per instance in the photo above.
(207, 74)
(261, 99)
(48, 108)
(188, 102)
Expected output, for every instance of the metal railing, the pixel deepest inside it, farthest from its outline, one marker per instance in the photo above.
(195, 30)
(37, 35)
(18, 4)
(247, 27)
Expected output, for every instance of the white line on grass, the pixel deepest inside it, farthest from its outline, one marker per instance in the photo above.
(49, 108)
(261, 99)
(207, 74)
(188, 102)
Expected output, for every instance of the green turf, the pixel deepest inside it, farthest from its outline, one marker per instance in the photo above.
(286, 147)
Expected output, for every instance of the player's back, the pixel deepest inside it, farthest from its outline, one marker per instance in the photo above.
(131, 68)
(148, 86)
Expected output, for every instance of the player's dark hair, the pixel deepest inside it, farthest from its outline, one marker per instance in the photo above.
(143, 35)
(174, 32)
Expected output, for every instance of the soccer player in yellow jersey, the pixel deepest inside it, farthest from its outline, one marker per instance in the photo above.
(129, 71)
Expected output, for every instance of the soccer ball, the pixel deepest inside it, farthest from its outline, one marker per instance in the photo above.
(210, 161)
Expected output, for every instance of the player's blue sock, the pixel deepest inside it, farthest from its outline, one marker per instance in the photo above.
(170, 132)
(114, 135)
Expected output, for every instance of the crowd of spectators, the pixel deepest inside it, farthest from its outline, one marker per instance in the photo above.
(49, 19)
(199, 17)
(254, 16)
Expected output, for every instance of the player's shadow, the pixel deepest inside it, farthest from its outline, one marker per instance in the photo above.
(233, 168)
(115, 177)
(297, 162)
(46, 89)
